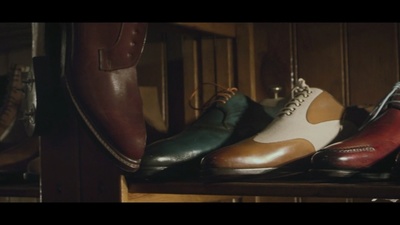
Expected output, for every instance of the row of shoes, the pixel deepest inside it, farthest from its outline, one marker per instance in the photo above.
(234, 136)
(19, 150)
(238, 138)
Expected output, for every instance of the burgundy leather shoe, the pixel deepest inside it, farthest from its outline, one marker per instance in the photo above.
(101, 79)
(370, 153)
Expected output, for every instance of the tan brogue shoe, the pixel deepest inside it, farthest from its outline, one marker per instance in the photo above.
(308, 122)
(101, 80)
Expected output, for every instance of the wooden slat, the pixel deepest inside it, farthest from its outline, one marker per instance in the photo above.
(373, 61)
(224, 62)
(208, 65)
(319, 56)
(152, 80)
(272, 50)
(38, 40)
(246, 59)
(225, 29)
(15, 35)
(190, 79)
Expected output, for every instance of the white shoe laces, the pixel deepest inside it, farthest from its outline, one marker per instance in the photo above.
(383, 104)
(299, 92)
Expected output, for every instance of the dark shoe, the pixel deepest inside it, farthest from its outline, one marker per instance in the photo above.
(231, 117)
(308, 122)
(101, 80)
(371, 152)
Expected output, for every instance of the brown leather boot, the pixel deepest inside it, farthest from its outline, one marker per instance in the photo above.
(11, 97)
(101, 79)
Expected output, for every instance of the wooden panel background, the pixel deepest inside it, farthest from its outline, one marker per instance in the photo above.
(372, 60)
(319, 56)
(191, 78)
(272, 58)
(357, 63)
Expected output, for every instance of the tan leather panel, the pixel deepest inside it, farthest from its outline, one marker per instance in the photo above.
(251, 154)
(324, 108)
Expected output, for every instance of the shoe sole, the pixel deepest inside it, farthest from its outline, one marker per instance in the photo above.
(379, 171)
(248, 174)
(296, 167)
(166, 173)
(349, 174)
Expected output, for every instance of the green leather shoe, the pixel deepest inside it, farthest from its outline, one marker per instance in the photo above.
(230, 117)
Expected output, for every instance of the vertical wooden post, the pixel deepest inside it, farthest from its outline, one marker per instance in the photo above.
(75, 168)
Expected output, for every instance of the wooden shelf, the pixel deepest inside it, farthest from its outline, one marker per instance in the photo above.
(281, 188)
(20, 190)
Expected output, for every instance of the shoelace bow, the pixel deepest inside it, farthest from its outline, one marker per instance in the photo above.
(221, 96)
(301, 89)
(382, 105)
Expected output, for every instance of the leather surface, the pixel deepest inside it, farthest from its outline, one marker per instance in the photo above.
(251, 154)
(220, 125)
(364, 149)
(102, 80)
(287, 138)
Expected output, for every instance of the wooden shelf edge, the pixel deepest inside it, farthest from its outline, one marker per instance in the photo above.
(20, 190)
(282, 189)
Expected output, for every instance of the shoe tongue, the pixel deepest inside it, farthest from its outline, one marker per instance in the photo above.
(223, 111)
